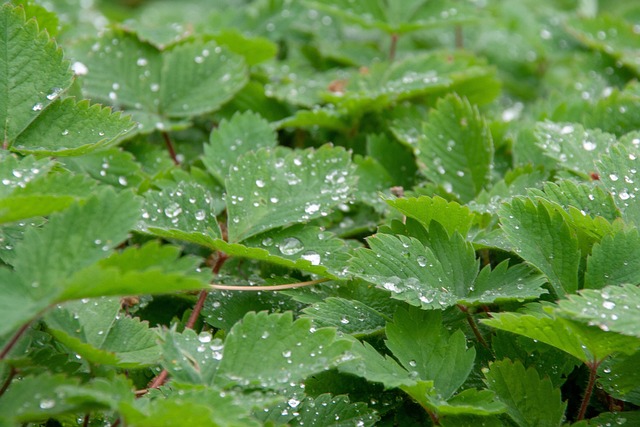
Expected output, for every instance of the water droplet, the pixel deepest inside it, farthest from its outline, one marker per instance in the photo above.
(589, 145)
(291, 246)
(37, 107)
(267, 241)
(609, 305)
(613, 177)
(79, 69)
(260, 183)
(344, 320)
(47, 403)
(141, 62)
(204, 337)
(312, 257)
(311, 208)
(173, 210)
(122, 180)
(286, 353)
(65, 132)
(422, 261)
(55, 92)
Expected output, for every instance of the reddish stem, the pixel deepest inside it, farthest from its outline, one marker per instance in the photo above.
(193, 318)
(393, 47)
(172, 151)
(85, 422)
(459, 37)
(7, 348)
(593, 374)
(7, 382)
(474, 326)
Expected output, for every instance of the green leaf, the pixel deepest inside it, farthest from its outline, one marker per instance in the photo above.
(518, 282)
(543, 238)
(617, 172)
(406, 268)
(20, 403)
(611, 35)
(243, 133)
(574, 147)
(428, 351)
(467, 402)
(612, 308)
(619, 376)
(333, 411)
(98, 332)
(586, 343)
(273, 188)
(190, 357)
(290, 351)
(254, 50)
(530, 400)
(150, 269)
(456, 150)
(394, 17)
(614, 260)
(348, 316)
(451, 215)
(182, 81)
(34, 69)
(373, 366)
(185, 211)
(112, 166)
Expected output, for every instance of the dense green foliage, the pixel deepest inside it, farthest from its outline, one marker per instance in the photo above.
(319, 213)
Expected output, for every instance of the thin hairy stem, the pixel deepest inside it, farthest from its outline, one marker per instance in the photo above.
(7, 382)
(12, 342)
(593, 374)
(172, 151)
(474, 326)
(393, 47)
(268, 288)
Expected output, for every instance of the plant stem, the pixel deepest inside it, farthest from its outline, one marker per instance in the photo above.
(593, 374)
(393, 47)
(7, 382)
(172, 151)
(474, 326)
(459, 37)
(85, 422)
(268, 288)
(193, 318)
(7, 348)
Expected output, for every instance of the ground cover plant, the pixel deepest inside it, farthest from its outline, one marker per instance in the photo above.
(319, 213)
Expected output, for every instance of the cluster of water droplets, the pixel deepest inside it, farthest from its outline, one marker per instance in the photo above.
(187, 207)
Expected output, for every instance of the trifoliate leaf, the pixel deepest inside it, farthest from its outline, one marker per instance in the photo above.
(456, 150)
(614, 260)
(618, 173)
(451, 215)
(157, 86)
(271, 188)
(190, 357)
(543, 238)
(34, 69)
(244, 132)
(428, 351)
(612, 308)
(184, 212)
(574, 147)
(97, 331)
(112, 166)
(333, 411)
(530, 400)
(289, 351)
(150, 269)
(348, 316)
(373, 366)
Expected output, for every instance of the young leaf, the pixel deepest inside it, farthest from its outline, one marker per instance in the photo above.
(244, 132)
(425, 348)
(184, 212)
(612, 308)
(98, 332)
(543, 238)
(290, 351)
(614, 260)
(271, 188)
(530, 400)
(451, 215)
(456, 150)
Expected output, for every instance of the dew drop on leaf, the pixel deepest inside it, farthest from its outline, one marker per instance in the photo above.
(173, 210)
(291, 246)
